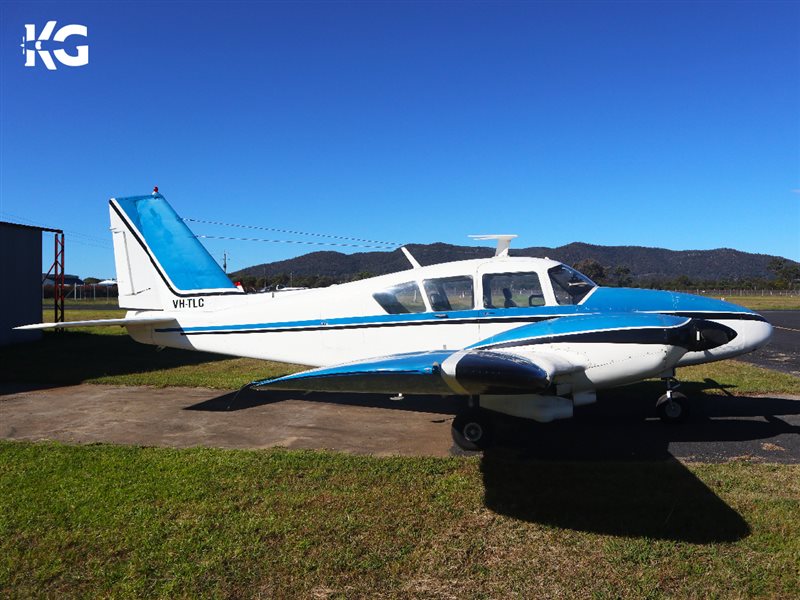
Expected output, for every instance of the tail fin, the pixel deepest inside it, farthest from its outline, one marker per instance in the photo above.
(159, 261)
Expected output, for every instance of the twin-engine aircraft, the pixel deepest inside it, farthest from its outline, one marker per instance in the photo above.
(528, 337)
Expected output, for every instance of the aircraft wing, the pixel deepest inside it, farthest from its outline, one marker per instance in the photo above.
(521, 360)
(462, 372)
(99, 323)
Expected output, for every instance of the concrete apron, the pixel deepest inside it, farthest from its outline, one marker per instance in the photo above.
(185, 417)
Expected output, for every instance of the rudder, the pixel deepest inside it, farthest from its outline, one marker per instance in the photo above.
(158, 258)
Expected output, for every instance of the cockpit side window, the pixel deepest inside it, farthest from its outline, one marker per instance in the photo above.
(511, 290)
(401, 298)
(569, 286)
(450, 293)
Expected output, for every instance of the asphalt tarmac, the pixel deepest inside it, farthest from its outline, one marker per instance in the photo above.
(783, 351)
(619, 427)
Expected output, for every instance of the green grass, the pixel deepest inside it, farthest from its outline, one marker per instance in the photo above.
(108, 355)
(765, 302)
(47, 303)
(739, 378)
(89, 521)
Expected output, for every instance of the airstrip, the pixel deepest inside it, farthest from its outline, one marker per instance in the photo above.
(619, 427)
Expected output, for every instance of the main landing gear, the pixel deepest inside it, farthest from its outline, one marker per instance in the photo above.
(472, 429)
(672, 407)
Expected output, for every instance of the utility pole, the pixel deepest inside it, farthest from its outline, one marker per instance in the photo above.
(225, 261)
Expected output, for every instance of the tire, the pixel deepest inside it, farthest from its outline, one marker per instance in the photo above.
(673, 410)
(472, 430)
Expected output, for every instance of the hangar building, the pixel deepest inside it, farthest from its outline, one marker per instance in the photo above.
(21, 274)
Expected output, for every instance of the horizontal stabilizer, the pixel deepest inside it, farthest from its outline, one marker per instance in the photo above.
(99, 323)
(445, 372)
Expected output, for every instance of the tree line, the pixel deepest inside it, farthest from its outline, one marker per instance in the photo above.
(785, 276)
(278, 281)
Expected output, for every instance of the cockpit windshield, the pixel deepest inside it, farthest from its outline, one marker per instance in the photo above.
(569, 286)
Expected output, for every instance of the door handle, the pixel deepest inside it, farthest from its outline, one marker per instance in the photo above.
(440, 315)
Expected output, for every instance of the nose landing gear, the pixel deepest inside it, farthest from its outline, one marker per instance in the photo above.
(672, 407)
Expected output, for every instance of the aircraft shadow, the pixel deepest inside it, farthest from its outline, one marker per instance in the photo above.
(621, 426)
(73, 357)
(249, 398)
(625, 439)
(608, 470)
(613, 473)
(656, 500)
(627, 406)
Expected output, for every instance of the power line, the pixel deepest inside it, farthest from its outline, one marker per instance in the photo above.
(305, 242)
(293, 232)
(88, 240)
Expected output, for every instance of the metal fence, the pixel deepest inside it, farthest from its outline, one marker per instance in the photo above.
(742, 292)
(86, 291)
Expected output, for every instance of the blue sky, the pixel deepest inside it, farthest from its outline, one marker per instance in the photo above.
(673, 124)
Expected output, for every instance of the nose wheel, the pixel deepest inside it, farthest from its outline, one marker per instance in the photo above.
(472, 430)
(673, 407)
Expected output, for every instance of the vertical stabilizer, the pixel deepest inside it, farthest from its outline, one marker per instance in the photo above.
(158, 258)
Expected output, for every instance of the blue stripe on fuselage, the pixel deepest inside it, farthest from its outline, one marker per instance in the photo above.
(584, 323)
(603, 300)
(456, 316)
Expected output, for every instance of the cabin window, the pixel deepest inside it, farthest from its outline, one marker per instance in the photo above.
(450, 293)
(569, 286)
(512, 290)
(401, 298)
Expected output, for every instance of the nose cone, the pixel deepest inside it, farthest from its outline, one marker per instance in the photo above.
(752, 330)
(757, 335)
(742, 329)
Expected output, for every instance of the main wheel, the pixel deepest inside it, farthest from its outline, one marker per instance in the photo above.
(472, 430)
(674, 409)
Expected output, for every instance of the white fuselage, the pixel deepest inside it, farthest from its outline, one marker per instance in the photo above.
(344, 323)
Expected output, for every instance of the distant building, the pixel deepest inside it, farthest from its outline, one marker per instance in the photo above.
(69, 280)
(21, 274)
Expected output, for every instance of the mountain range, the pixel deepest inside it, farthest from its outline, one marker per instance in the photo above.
(645, 264)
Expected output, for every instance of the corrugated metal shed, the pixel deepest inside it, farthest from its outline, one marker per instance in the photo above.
(21, 274)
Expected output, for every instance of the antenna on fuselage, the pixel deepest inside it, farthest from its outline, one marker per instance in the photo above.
(503, 242)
